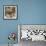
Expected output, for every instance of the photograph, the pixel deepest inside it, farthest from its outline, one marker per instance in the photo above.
(10, 12)
(32, 32)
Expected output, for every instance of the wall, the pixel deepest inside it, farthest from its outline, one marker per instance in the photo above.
(33, 12)
(29, 12)
(7, 26)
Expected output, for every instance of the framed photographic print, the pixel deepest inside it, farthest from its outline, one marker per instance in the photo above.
(32, 32)
(10, 12)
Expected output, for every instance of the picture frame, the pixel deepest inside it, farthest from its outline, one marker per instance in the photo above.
(33, 31)
(10, 12)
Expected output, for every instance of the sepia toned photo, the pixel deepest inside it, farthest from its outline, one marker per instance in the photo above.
(10, 12)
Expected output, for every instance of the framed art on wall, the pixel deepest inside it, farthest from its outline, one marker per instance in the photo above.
(10, 12)
(32, 32)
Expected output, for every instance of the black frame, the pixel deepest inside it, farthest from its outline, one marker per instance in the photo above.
(4, 13)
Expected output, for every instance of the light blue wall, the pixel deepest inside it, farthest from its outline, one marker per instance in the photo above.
(33, 12)
(7, 26)
(29, 12)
